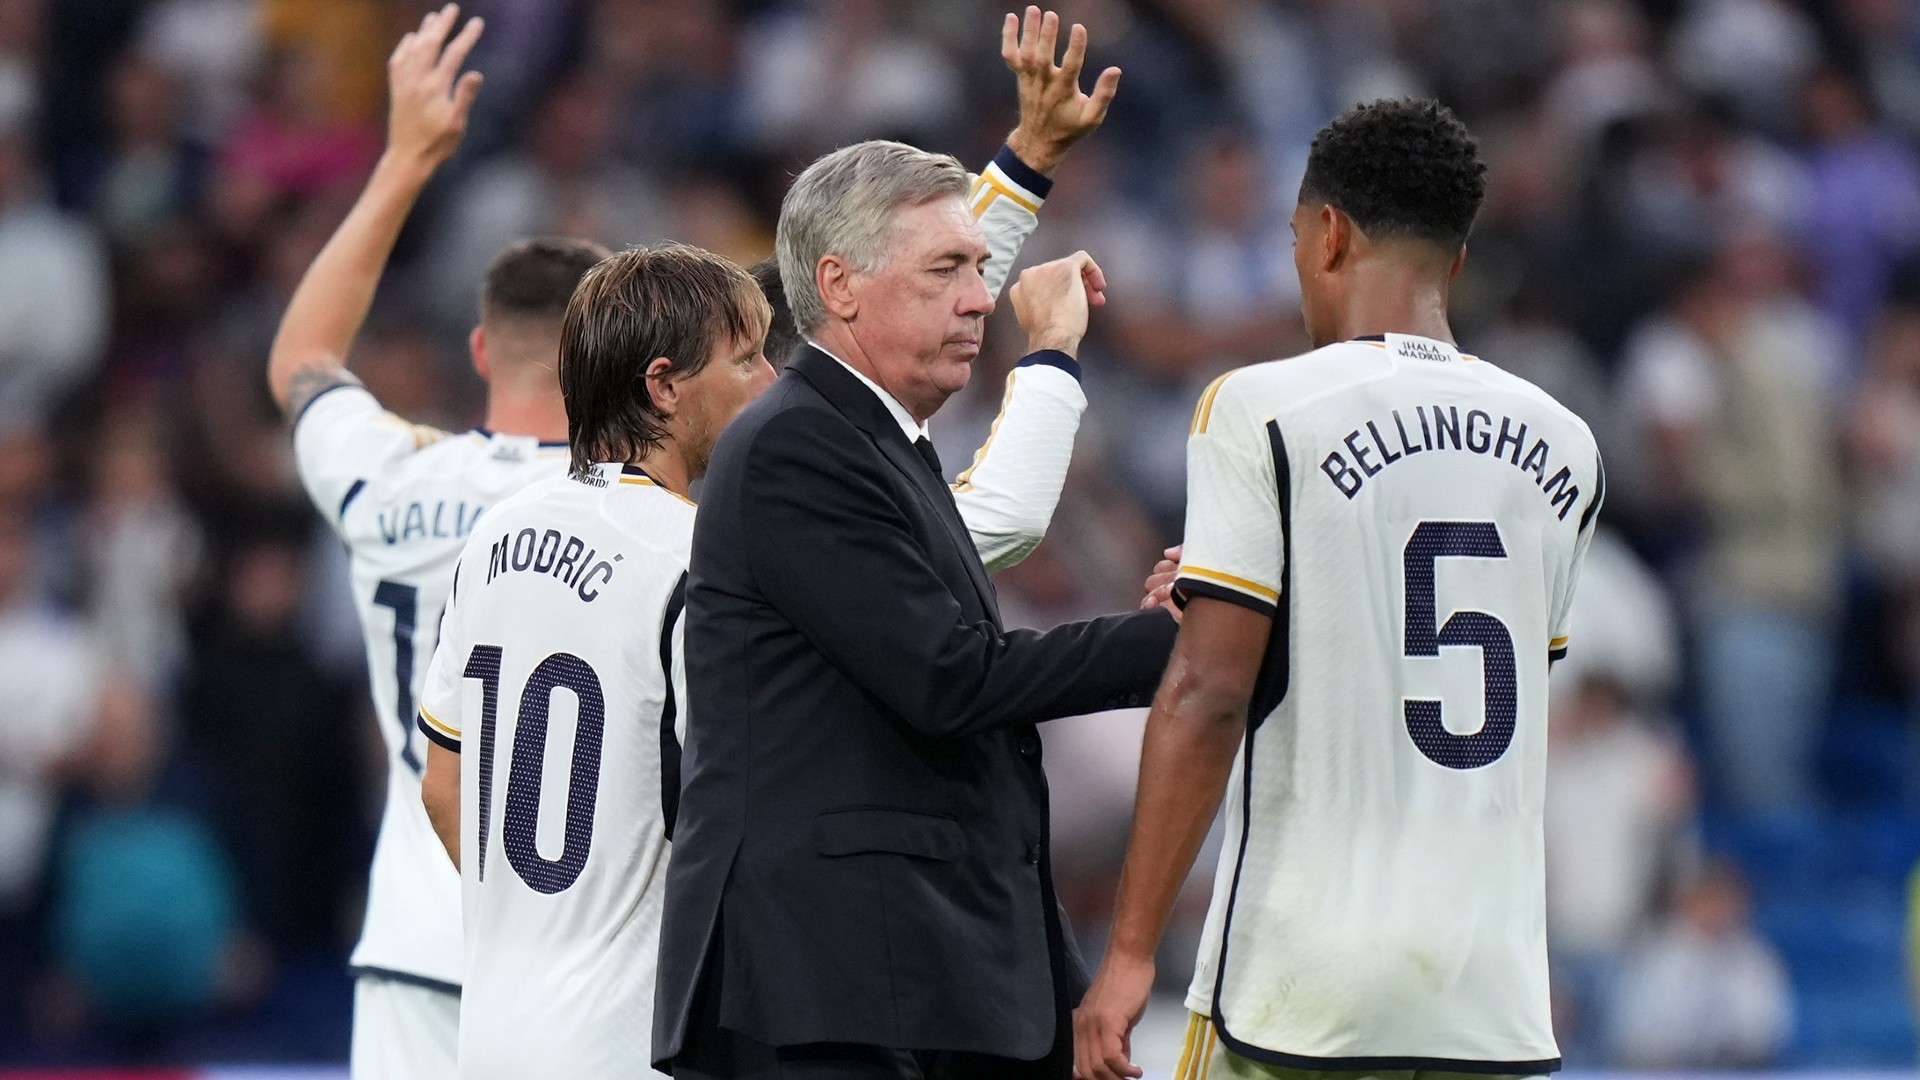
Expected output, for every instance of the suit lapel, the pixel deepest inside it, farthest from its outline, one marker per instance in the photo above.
(865, 409)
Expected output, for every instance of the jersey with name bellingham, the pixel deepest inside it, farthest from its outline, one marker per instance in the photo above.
(1414, 520)
(561, 681)
(404, 498)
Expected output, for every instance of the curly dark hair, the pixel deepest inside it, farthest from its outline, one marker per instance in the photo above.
(1404, 166)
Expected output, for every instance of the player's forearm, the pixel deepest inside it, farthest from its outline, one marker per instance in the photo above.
(1007, 496)
(1192, 735)
(331, 302)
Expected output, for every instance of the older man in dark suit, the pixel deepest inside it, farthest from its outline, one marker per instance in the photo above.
(860, 878)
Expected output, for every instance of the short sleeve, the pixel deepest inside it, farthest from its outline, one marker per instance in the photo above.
(342, 439)
(439, 718)
(1234, 549)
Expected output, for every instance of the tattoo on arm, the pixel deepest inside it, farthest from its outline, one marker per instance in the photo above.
(309, 383)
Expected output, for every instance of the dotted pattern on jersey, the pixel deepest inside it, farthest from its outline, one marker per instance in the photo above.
(484, 664)
(524, 780)
(1431, 541)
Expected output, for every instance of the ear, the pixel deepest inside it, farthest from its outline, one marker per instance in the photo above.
(833, 276)
(1336, 237)
(1459, 263)
(477, 352)
(663, 390)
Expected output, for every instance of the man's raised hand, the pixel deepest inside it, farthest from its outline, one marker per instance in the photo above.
(1054, 114)
(429, 98)
(1052, 300)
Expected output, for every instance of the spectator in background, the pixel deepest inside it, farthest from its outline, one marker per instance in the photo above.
(290, 146)
(1703, 990)
(51, 696)
(143, 552)
(53, 309)
(1729, 398)
(270, 730)
(1620, 814)
(565, 182)
(1865, 217)
(835, 71)
(149, 174)
(1884, 438)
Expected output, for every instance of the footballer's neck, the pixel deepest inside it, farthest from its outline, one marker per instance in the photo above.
(668, 465)
(542, 415)
(1396, 296)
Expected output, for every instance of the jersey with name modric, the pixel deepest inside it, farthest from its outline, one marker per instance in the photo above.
(561, 682)
(404, 498)
(1414, 520)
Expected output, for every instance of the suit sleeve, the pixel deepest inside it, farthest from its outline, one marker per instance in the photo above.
(833, 552)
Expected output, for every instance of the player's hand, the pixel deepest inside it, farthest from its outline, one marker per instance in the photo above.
(1054, 114)
(1103, 1024)
(1052, 301)
(1159, 584)
(428, 97)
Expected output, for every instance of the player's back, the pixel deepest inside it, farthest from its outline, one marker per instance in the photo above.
(559, 678)
(1415, 518)
(404, 498)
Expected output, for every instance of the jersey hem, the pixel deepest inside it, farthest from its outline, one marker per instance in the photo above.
(1383, 1064)
(364, 971)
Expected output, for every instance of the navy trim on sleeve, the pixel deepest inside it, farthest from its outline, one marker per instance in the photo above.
(343, 384)
(352, 494)
(435, 737)
(359, 971)
(1052, 358)
(1022, 173)
(1556, 655)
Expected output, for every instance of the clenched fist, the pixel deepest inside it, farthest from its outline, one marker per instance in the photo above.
(1052, 301)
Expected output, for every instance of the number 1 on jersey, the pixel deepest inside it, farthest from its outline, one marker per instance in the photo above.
(1431, 542)
(405, 602)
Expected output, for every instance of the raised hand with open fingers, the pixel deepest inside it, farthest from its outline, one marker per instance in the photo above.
(429, 99)
(1054, 113)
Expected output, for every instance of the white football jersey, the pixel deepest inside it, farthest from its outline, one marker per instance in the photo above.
(561, 680)
(1414, 519)
(404, 498)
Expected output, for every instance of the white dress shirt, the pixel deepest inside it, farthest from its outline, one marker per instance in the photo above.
(911, 428)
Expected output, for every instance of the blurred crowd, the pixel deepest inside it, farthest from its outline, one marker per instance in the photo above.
(1702, 232)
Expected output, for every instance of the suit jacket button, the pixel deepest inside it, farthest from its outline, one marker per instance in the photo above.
(1029, 745)
(1033, 854)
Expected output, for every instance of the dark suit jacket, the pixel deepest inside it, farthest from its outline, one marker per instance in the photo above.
(863, 815)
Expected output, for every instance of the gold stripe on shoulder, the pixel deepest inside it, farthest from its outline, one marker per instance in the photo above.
(1203, 411)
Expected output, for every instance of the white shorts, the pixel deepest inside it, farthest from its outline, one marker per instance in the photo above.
(1203, 1057)
(403, 1030)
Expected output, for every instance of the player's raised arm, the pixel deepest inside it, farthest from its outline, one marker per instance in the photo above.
(429, 100)
(1008, 494)
(1054, 113)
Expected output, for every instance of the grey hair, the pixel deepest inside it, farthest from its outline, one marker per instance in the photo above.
(843, 204)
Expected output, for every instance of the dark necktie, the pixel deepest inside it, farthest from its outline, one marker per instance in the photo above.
(927, 454)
